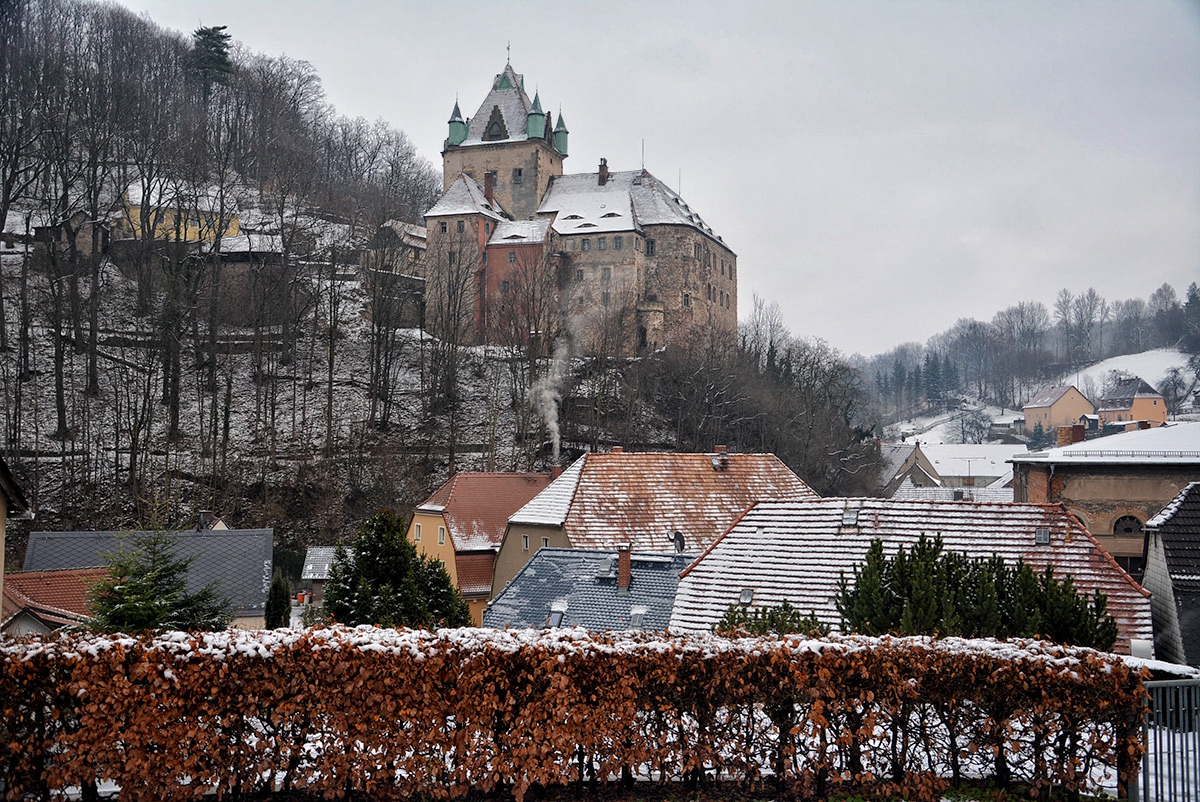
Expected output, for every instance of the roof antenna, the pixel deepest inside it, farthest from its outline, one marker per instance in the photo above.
(679, 184)
(643, 154)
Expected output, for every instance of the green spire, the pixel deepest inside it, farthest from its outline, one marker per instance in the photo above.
(535, 126)
(458, 127)
(560, 135)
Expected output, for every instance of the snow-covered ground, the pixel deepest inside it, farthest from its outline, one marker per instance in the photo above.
(1149, 365)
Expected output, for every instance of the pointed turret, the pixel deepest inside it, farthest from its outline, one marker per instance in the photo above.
(458, 127)
(560, 135)
(535, 127)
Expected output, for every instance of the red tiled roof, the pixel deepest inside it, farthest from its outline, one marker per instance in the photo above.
(797, 551)
(476, 506)
(641, 498)
(474, 571)
(57, 595)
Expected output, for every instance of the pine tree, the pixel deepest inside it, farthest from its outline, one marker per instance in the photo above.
(279, 601)
(783, 619)
(146, 589)
(382, 580)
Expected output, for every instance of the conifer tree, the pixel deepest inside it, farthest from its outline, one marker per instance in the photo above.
(279, 601)
(146, 589)
(382, 580)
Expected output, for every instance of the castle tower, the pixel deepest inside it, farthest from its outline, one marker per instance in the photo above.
(508, 147)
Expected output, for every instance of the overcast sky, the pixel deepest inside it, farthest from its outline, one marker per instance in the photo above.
(881, 168)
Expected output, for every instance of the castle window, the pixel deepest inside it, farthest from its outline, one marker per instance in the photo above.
(687, 299)
(601, 243)
(461, 226)
(696, 249)
(617, 243)
(637, 244)
(722, 267)
(504, 286)
(512, 257)
(606, 273)
(580, 304)
(579, 275)
(649, 247)
(452, 258)
(518, 175)
(585, 244)
(442, 226)
(495, 131)
(604, 297)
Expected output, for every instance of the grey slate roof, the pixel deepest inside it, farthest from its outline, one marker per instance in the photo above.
(317, 562)
(1123, 392)
(239, 561)
(581, 583)
(1178, 528)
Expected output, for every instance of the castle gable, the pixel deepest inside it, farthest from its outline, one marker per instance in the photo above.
(504, 114)
(465, 196)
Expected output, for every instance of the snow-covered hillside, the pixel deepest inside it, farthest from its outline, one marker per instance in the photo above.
(1149, 365)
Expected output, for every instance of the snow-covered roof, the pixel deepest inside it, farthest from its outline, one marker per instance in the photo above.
(166, 192)
(317, 562)
(248, 243)
(625, 202)
(642, 498)
(797, 551)
(1123, 393)
(1048, 396)
(513, 104)
(550, 507)
(994, 493)
(1173, 443)
(520, 232)
(465, 196)
(1166, 513)
(970, 459)
(476, 506)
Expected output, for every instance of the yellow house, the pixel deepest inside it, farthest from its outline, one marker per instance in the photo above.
(179, 212)
(1133, 400)
(1056, 406)
(463, 522)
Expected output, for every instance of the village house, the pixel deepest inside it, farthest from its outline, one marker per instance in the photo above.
(1172, 576)
(237, 561)
(1054, 407)
(1132, 401)
(39, 602)
(650, 501)
(901, 463)
(600, 591)
(1113, 484)
(972, 464)
(462, 525)
(796, 551)
(628, 264)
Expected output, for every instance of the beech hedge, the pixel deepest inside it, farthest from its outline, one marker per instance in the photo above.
(397, 713)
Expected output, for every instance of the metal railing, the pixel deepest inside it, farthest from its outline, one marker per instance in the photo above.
(1171, 766)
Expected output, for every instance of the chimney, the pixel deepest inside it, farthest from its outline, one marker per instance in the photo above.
(1078, 433)
(603, 172)
(555, 472)
(489, 185)
(624, 569)
(617, 449)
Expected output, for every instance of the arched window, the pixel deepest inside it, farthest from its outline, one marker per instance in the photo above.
(495, 131)
(1127, 525)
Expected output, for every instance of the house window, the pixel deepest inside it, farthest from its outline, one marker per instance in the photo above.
(687, 299)
(504, 286)
(461, 226)
(525, 542)
(442, 226)
(417, 533)
(585, 244)
(512, 257)
(617, 243)
(602, 243)
(545, 543)
(649, 247)
(441, 535)
(1127, 525)
(487, 228)
(606, 273)
(556, 617)
(518, 175)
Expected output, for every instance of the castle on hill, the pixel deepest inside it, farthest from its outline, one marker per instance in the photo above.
(519, 250)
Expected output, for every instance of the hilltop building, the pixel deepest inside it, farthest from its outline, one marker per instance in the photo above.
(517, 249)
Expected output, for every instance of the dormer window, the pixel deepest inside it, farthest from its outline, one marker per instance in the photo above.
(573, 217)
(611, 214)
(494, 132)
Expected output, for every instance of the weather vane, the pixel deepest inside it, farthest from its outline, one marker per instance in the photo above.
(508, 49)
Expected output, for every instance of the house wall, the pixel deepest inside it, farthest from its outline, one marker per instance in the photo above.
(1100, 494)
(514, 554)
(25, 624)
(430, 525)
(1149, 409)
(1168, 642)
(536, 158)
(477, 607)
(1066, 411)
(174, 224)
(519, 294)
(454, 262)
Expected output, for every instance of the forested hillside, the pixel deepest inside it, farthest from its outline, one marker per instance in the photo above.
(144, 380)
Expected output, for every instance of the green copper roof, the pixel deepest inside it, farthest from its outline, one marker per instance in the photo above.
(504, 82)
(456, 117)
(560, 126)
(537, 104)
